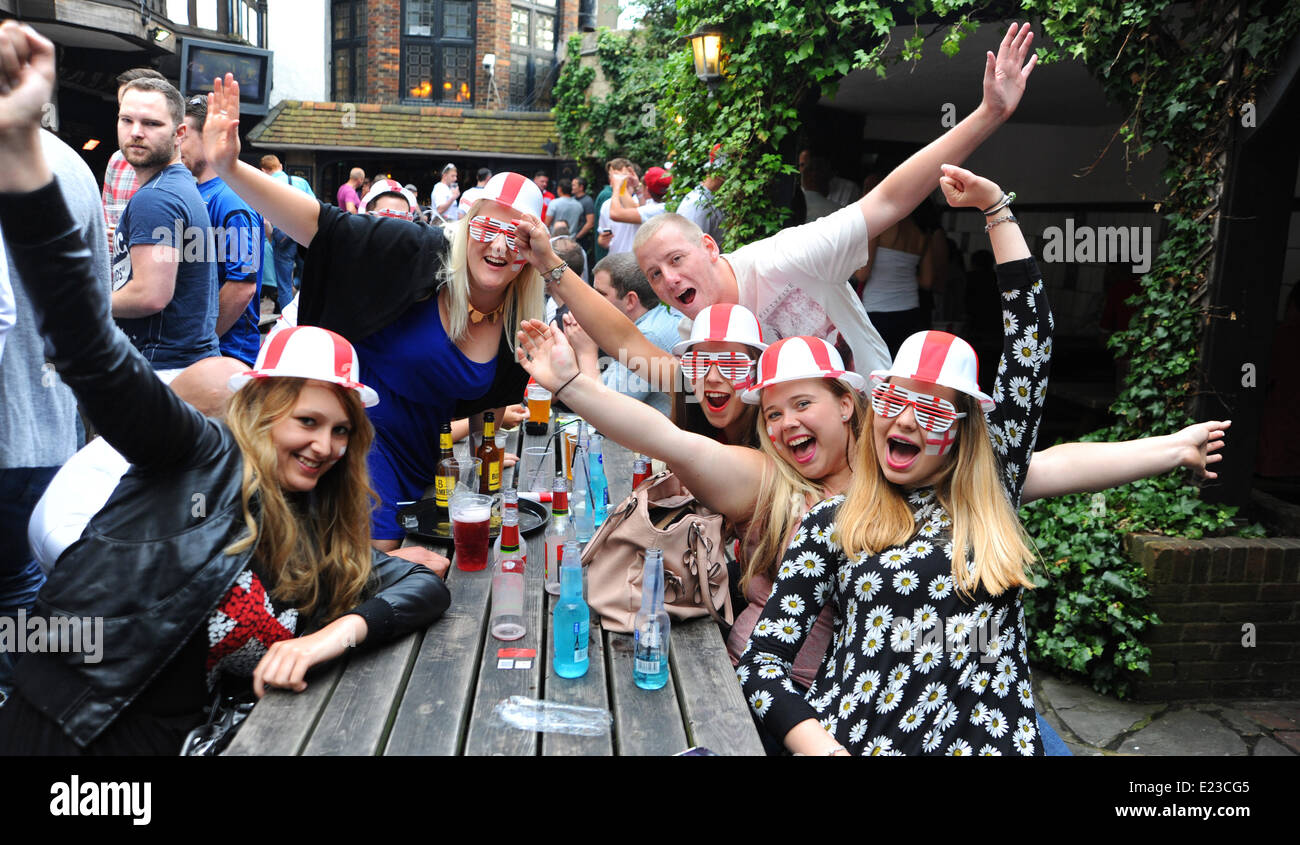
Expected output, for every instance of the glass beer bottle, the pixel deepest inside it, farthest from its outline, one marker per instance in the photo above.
(444, 484)
(651, 626)
(571, 619)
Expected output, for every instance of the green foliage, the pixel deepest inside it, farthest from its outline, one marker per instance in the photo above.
(1181, 71)
(624, 121)
(1182, 76)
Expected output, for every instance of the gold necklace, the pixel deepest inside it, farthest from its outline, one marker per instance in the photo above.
(477, 316)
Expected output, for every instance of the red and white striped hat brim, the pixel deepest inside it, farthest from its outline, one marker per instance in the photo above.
(794, 358)
(388, 186)
(308, 352)
(939, 358)
(724, 323)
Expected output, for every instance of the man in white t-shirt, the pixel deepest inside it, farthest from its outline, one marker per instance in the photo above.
(623, 205)
(446, 193)
(468, 198)
(795, 280)
(620, 236)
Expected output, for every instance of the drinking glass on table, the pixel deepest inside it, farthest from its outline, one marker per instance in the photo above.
(463, 473)
(538, 468)
(470, 517)
(539, 409)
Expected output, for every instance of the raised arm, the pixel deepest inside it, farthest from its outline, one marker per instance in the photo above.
(608, 327)
(1004, 84)
(283, 205)
(723, 477)
(1088, 467)
(116, 387)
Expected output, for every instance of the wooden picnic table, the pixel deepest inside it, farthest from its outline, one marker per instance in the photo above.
(433, 692)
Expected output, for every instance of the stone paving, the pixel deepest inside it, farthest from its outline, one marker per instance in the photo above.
(1098, 725)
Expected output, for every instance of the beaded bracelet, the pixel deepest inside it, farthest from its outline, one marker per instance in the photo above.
(1006, 200)
(1009, 218)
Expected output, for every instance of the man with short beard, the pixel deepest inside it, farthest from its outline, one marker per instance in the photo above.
(164, 279)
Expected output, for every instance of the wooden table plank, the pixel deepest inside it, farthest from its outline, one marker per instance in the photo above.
(487, 734)
(588, 691)
(646, 722)
(432, 717)
(358, 713)
(283, 721)
(713, 704)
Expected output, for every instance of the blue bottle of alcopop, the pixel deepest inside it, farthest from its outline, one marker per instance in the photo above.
(598, 489)
(571, 619)
(650, 656)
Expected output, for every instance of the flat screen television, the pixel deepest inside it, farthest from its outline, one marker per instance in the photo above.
(202, 61)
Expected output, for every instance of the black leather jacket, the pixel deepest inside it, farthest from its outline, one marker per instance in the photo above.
(151, 562)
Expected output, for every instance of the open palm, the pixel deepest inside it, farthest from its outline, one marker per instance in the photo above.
(546, 354)
(221, 130)
(1005, 75)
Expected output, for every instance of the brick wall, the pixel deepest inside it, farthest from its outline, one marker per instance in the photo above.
(383, 51)
(492, 35)
(1206, 593)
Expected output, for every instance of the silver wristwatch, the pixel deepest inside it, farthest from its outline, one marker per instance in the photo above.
(553, 276)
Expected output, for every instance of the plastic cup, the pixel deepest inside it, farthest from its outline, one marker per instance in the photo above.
(538, 468)
(539, 409)
(471, 514)
(464, 471)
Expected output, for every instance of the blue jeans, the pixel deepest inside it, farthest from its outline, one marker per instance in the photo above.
(1053, 745)
(20, 577)
(285, 252)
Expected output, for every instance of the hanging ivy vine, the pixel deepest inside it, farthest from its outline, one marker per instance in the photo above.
(1182, 72)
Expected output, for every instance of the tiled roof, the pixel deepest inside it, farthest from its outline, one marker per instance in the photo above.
(392, 128)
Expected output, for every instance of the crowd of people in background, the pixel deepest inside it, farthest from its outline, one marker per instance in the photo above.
(792, 383)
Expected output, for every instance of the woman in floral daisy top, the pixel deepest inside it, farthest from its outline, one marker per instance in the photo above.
(924, 558)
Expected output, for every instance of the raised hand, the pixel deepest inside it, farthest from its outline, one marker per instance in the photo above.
(26, 77)
(545, 353)
(1198, 442)
(533, 242)
(221, 130)
(1005, 74)
(963, 189)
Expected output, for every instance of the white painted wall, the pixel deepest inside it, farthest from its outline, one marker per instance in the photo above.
(298, 35)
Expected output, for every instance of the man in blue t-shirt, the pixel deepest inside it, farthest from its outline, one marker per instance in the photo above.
(236, 240)
(164, 278)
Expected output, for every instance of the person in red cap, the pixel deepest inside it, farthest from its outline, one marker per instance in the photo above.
(430, 319)
(230, 549)
(623, 206)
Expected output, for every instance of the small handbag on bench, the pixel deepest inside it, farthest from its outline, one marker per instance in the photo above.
(660, 514)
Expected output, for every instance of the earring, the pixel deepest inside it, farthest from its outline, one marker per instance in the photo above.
(844, 418)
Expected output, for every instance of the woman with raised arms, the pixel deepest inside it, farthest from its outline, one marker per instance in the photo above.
(431, 310)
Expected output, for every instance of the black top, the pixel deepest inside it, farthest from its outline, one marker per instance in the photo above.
(363, 272)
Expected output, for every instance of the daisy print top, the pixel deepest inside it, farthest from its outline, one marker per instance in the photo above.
(914, 667)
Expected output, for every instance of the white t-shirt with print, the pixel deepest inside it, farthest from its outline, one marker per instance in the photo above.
(795, 279)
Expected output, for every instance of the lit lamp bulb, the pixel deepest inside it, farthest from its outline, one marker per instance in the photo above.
(706, 49)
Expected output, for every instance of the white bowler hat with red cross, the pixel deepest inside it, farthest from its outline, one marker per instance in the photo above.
(514, 190)
(308, 352)
(724, 323)
(794, 358)
(389, 186)
(939, 358)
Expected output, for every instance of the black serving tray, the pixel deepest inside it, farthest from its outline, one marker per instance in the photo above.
(417, 520)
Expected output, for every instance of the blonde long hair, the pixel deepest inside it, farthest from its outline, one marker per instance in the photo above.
(316, 560)
(524, 301)
(875, 515)
(788, 494)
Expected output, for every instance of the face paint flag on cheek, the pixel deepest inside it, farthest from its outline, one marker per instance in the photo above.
(941, 443)
(343, 450)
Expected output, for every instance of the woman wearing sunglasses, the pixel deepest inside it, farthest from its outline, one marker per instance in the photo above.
(427, 307)
(924, 558)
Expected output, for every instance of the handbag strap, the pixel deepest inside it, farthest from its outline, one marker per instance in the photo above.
(692, 560)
